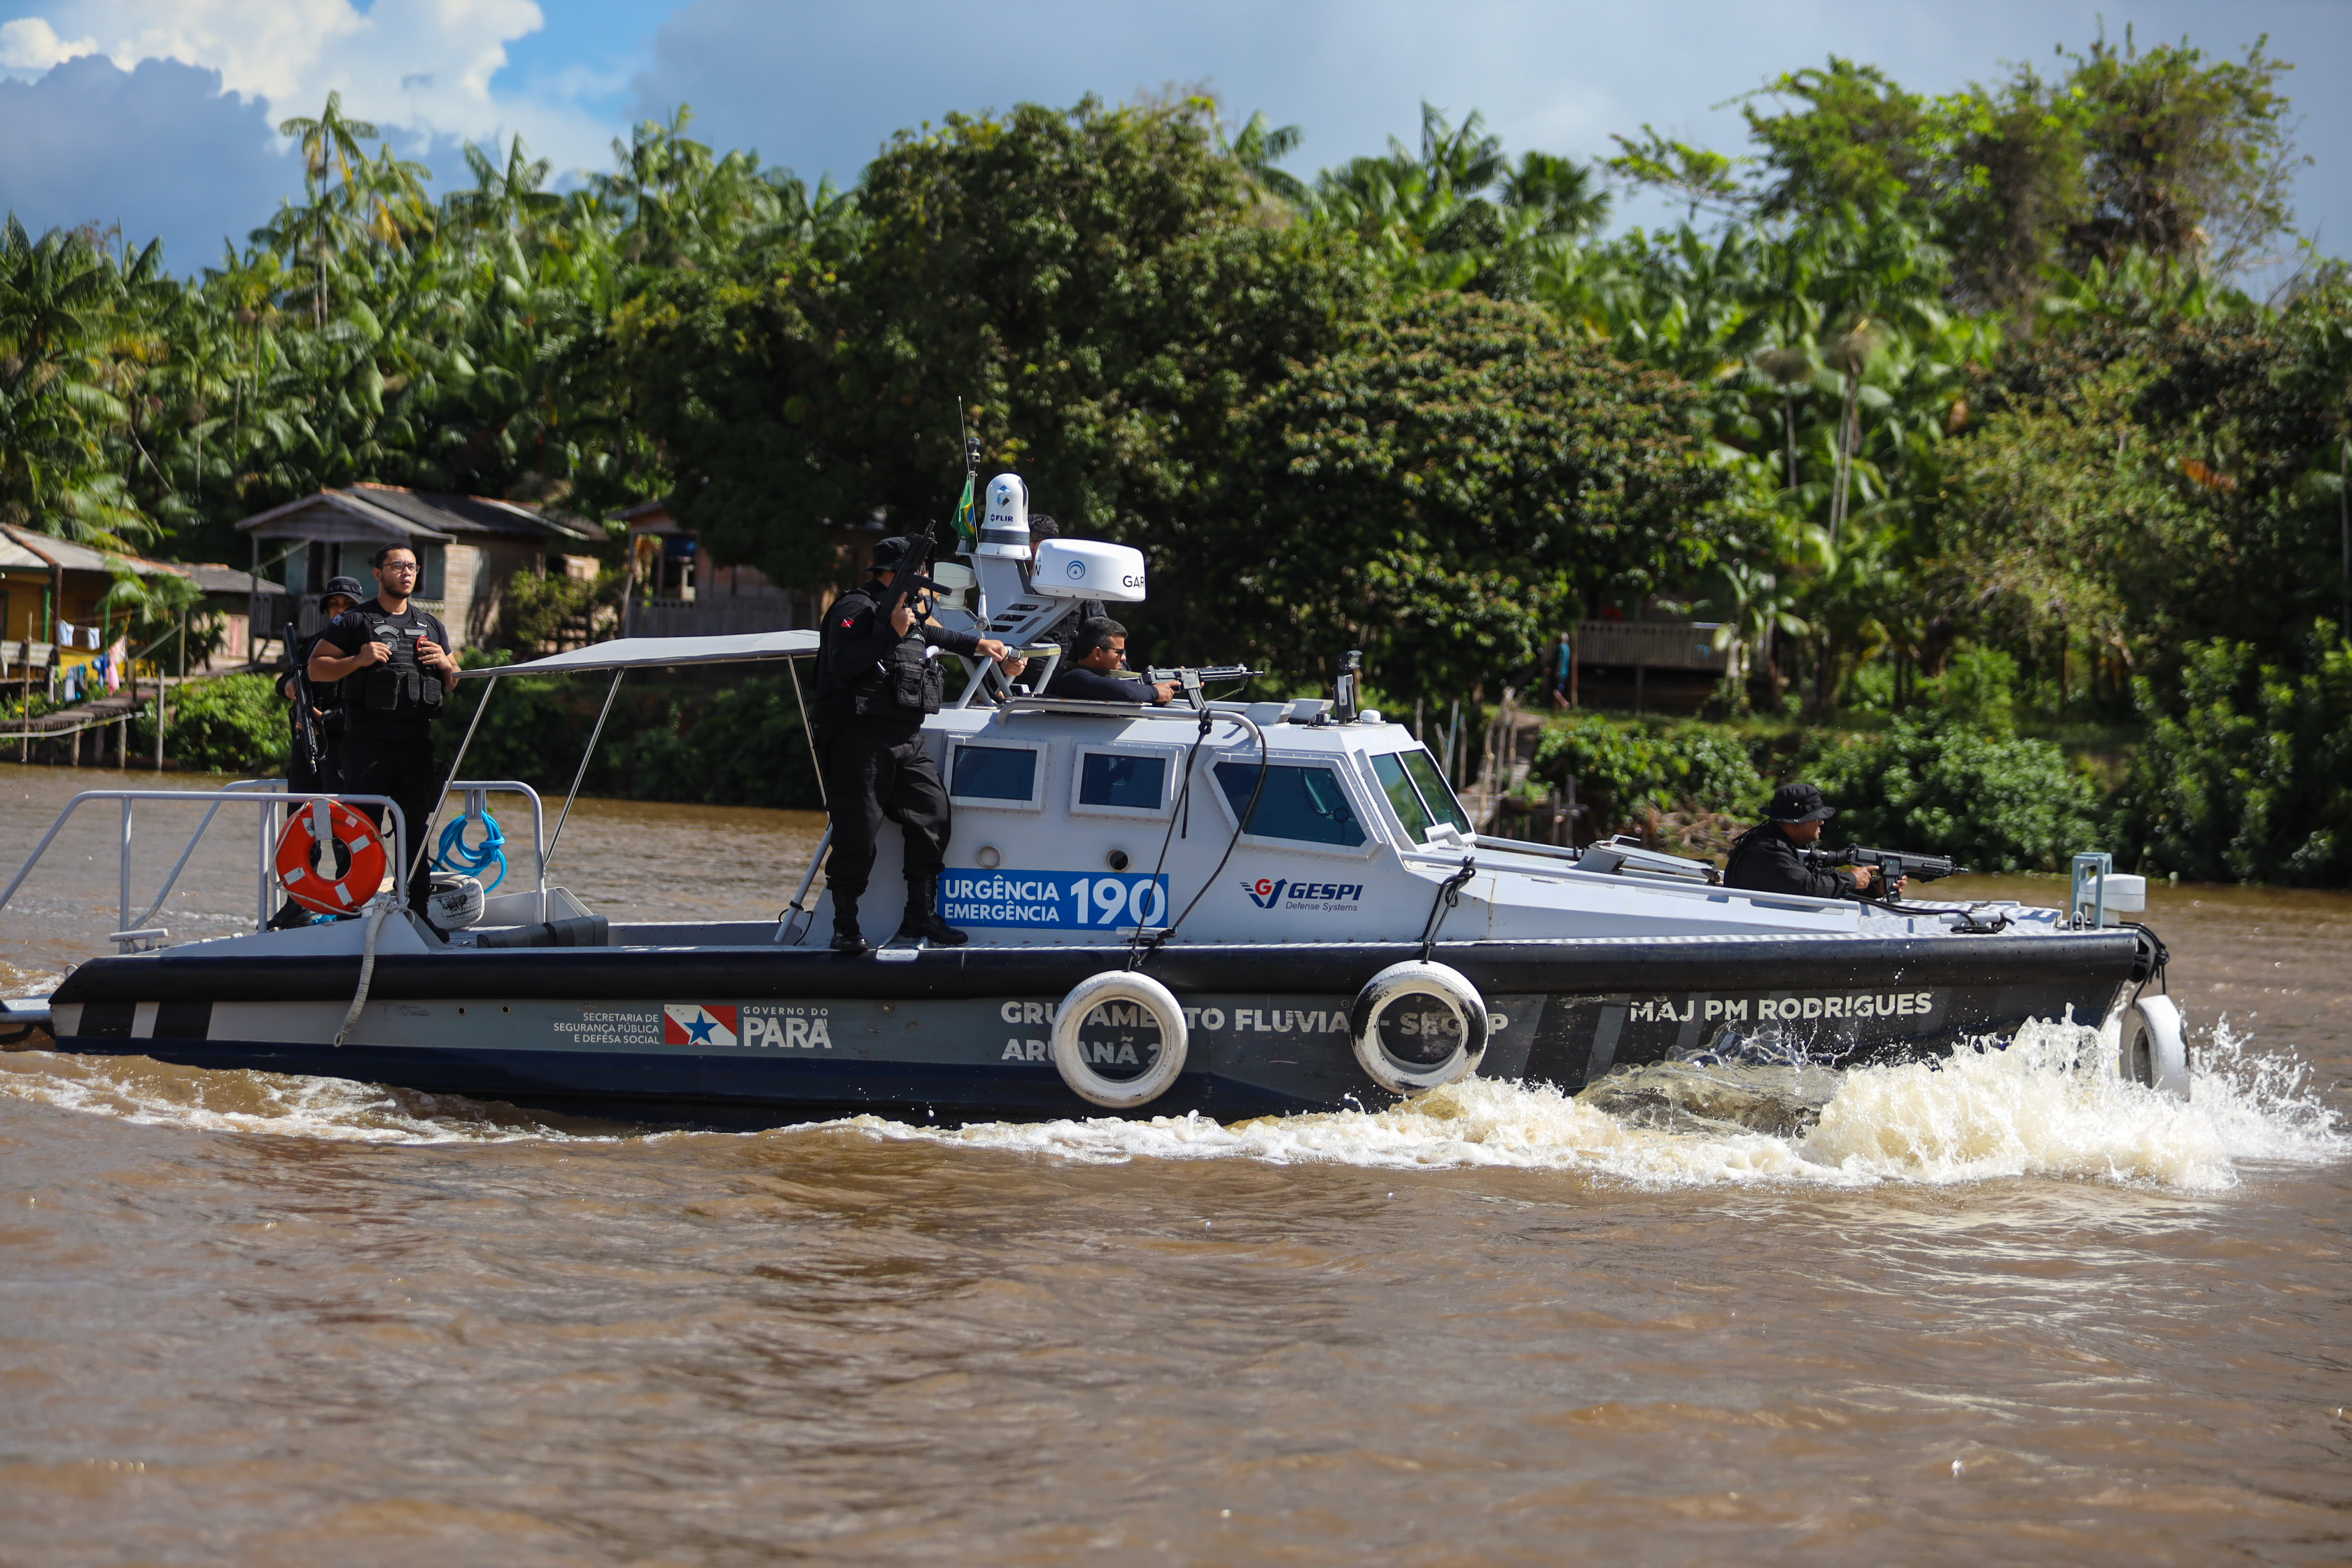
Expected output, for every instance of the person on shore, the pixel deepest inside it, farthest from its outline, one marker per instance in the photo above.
(1770, 856)
(1088, 675)
(395, 656)
(875, 680)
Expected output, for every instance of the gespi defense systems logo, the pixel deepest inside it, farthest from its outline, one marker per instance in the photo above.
(1276, 892)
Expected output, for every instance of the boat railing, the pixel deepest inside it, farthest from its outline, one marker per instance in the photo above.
(272, 800)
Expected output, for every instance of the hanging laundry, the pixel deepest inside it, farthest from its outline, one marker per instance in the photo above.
(65, 634)
(114, 659)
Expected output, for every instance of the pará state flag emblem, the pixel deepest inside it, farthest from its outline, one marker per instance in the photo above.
(699, 1024)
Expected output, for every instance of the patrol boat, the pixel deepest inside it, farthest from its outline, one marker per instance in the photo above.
(1227, 907)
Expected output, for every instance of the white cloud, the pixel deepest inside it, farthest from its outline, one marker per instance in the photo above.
(162, 150)
(423, 67)
(28, 43)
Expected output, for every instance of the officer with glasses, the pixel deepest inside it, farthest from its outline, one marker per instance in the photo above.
(1098, 652)
(393, 660)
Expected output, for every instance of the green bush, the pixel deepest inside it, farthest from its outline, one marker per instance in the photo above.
(720, 739)
(2247, 775)
(1978, 688)
(1930, 782)
(1628, 769)
(233, 724)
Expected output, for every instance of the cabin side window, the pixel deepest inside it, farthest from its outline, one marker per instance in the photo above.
(1306, 804)
(1123, 783)
(996, 775)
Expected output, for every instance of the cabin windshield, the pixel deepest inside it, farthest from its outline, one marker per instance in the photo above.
(1419, 793)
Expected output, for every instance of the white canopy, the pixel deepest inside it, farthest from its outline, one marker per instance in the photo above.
(636, 653)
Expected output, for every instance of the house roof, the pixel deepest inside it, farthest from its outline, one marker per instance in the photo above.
(214, 577)
(15, 557)
(25, 549)
(22, 550)
(391, 513)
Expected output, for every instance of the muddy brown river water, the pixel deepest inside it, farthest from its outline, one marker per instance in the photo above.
(1997, 1313)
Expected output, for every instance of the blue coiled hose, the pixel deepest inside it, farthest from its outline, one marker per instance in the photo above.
(454, 854)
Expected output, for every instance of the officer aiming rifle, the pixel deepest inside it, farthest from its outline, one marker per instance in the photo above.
(876, 679)
(1893, 866)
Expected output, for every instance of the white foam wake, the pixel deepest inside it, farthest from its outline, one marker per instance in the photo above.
(2038, 1108)
(2046, 1106)
(153, 1094)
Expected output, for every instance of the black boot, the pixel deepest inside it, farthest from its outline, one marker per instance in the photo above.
(845, 935)
(922, 922)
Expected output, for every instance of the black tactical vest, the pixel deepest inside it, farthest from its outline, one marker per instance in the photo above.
(400, 684)
(904, 684)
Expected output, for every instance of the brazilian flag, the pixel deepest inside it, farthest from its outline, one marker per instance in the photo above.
(967, 527)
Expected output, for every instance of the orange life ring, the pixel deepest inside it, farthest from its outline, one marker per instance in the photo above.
(318, 887)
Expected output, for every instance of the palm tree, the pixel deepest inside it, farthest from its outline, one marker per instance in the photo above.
(329, 145)
(507, 199)
(57, 295)
(1258, 146)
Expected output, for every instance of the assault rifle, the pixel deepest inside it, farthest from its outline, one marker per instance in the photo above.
(1189, 681)
(1893, 864)
(305, 722)
(911, 576)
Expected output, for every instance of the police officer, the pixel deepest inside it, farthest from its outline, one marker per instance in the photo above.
(1095, 654)
(395, 662)
(313, 769)
(875, 680)
(1769, 859)
(315, 720)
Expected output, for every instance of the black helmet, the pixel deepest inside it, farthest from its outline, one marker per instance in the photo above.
(1798, 803)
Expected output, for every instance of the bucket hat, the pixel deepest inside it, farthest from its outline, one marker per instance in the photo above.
(1798, 803)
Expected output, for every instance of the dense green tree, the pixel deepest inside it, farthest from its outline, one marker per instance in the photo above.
(1452, 485)
(1100, 287)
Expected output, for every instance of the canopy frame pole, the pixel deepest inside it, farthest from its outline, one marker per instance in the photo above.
(809, 735)
(791, 921)
(585, 757)
(423, 848)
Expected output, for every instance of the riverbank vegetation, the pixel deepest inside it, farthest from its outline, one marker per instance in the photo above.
(1953, 412)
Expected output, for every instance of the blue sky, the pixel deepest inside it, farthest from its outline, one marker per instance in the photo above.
(157, 113)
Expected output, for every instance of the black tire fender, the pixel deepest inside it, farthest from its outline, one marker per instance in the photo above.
(1417, 977)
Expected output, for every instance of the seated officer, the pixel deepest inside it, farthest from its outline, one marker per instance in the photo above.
(1767, 858)
(1100, 648)
(393, 658)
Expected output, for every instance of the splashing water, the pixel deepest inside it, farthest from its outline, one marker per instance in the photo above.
(2047, 1105)
(155, 1094)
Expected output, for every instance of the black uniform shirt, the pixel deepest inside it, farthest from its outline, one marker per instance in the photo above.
(1764, 860)
(858, 644)
(345, 633)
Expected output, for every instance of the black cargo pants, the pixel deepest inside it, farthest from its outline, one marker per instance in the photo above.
(408, 772)
(869, 777)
